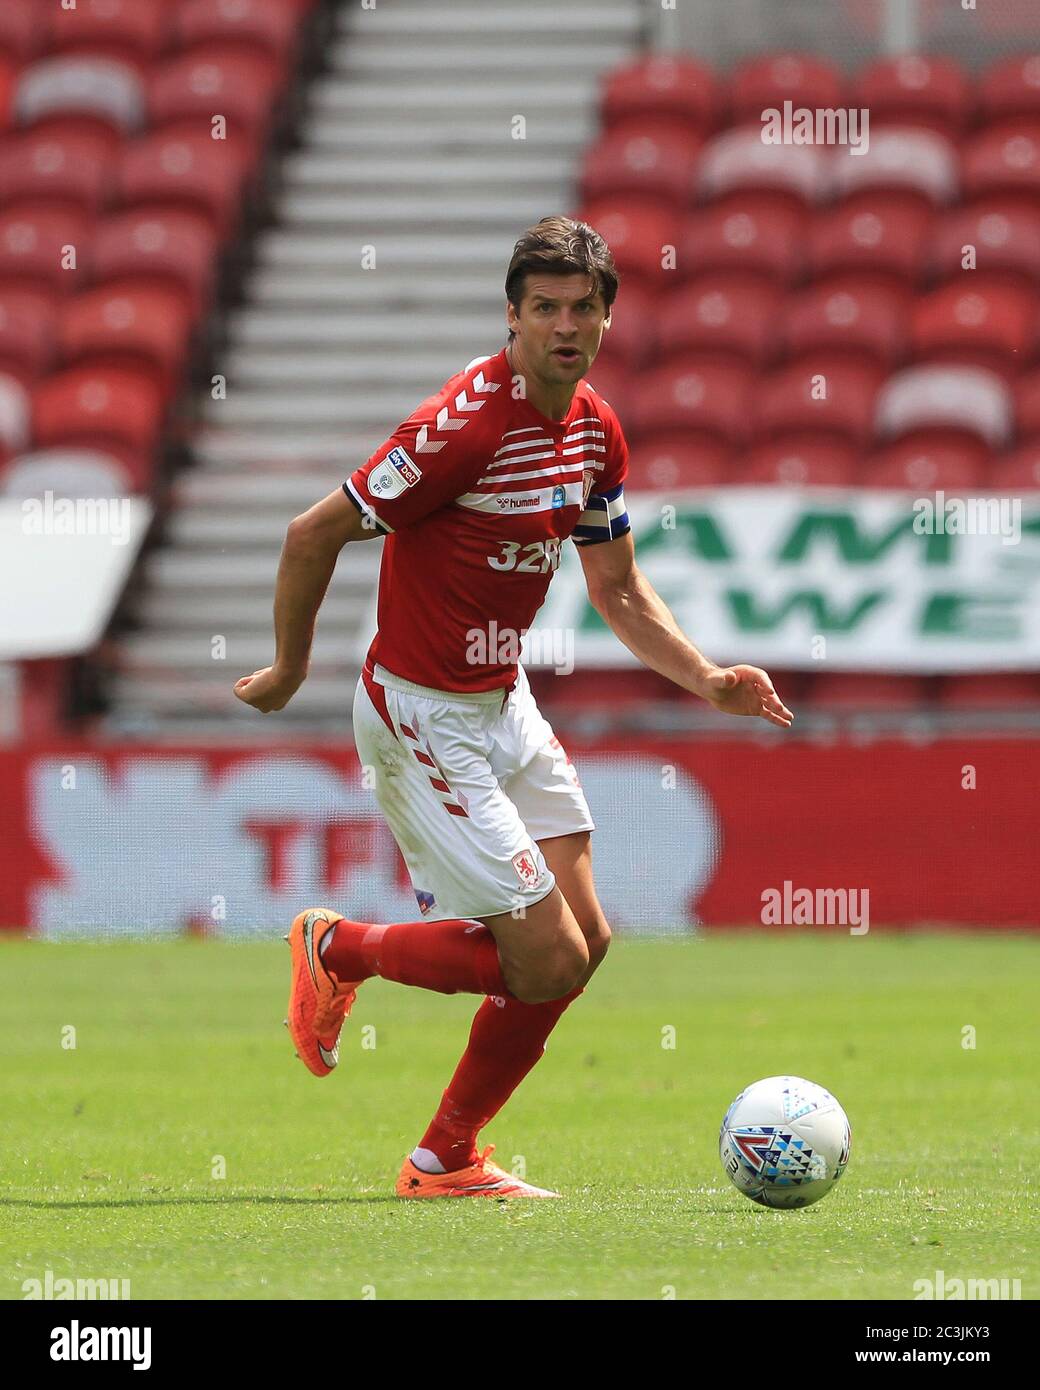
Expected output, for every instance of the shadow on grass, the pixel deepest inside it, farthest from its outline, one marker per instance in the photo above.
(193, 1202)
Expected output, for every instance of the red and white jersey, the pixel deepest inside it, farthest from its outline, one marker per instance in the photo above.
(476, 491)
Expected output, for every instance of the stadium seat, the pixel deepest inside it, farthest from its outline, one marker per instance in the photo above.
(915, 90)
(977, 320)
(93, 89)
(928, 460)
(1027, 405)
(749, 233)
(881, 233)
(32, 246)
(949, 397)
(192, 171)
(667, 462)
(189, 90)
(850, 690)
(268, 26)
(715, 314)
(645, 158)
(1017, 471)
(27, 318)
(916, 163)
(20, 29)
(71, 171)
(8, 71)
(631, 339)
(97, 407)
(170, 245)
(677, 88)
(801, 460)
(1003, 237)
(68, 473)
(614, 382)
(589, 689)
(701, 398)
(847, 314)
(636, 231)
(1003, 159)
(131, 29)
(770, 80)
(737, 160)
(14, 412)
(819, 395)
(127, 324)
(997, 690)
(1010, 88)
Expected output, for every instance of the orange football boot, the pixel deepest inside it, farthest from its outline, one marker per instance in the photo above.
(318, 1003)
(480, 1179)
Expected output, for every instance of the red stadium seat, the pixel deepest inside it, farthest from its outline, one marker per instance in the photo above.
(70, 171)
(27, 319)
(1003, 159)
(704, 399)
(739, 161)
(162, 244)
(914, 90)
(881, 233)
(717, 314)
(676, 88)
(127, 324)
(801, 461)
(747, 233)
(8, 71)
(185, 170)
(20, 29)
(847, 314)
(927, 461)
(1027, 405)
(614, 383)
(948, 397)
(96, 407)
(192, 89)
(650, 158)
(631, 338)
(902, 160)
(769, 81)
(636, 231)
(90, 88)
(1011, 88)
(1000, 237)
(71, 473)
(849, 690)
(996, 690)
(1019, 471)
(132, 29)
(33, 242)
(818, 394)
(269, 26)
(588, 689)
(14, 412)
(976, 320)
(667, 462)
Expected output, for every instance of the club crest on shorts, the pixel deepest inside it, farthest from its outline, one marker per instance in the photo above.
(526, 868)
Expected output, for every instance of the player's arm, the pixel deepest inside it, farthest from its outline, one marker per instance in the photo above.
(630, 606)
(312, 545)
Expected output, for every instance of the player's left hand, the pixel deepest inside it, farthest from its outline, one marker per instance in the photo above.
(746, 690)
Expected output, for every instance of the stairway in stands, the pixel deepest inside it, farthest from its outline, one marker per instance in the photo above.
(409, 156)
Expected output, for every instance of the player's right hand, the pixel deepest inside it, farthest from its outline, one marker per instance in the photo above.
(269, 689)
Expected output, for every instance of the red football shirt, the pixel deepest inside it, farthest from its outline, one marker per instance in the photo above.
(476, 491)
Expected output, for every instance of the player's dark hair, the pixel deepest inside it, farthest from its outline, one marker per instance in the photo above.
(561, 246)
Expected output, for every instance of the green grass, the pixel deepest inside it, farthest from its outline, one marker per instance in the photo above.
(180, 1055)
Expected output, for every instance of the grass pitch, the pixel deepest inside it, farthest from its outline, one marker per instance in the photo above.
(181, 1069)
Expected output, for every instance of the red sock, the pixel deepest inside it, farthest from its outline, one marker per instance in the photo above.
(452, 957)
(505, 1042)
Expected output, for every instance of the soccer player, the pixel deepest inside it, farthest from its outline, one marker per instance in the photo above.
(475, 493)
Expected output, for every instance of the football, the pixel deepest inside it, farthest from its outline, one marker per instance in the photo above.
(785, 1142)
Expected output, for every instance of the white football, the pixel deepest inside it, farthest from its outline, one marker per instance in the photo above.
(785, 1142)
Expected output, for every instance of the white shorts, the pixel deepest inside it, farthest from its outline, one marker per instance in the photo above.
(468, 788)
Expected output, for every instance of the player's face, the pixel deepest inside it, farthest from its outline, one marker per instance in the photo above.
(559, 326)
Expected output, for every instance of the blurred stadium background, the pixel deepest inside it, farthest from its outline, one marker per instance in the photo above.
(241, 239)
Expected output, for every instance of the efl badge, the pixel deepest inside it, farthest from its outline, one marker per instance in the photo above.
(395, 473)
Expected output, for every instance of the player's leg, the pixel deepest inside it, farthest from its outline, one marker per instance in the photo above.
(570, 859)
